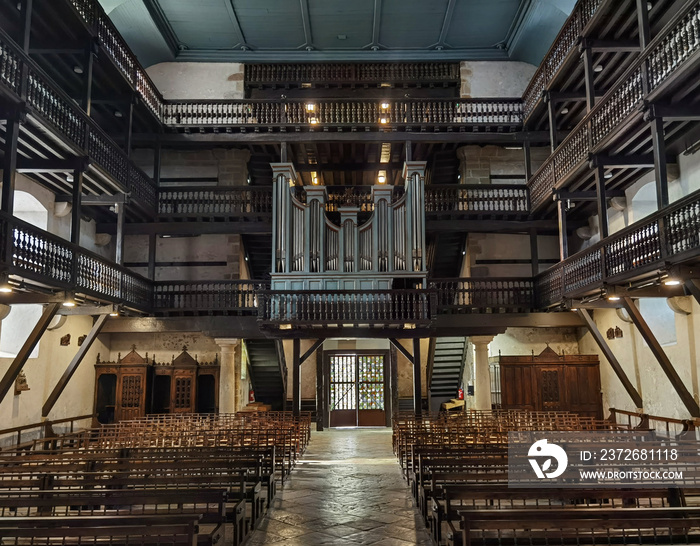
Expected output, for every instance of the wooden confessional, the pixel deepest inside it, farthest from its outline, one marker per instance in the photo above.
(551, 382)
(134, 386)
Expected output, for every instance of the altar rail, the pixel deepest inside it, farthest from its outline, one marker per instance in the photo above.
(325, 112)
(58, 113)
(671, 51)
(565, 42)
(643, 247)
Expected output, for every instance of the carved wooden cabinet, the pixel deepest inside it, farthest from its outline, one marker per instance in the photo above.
(551, 382)
(135, 386)
(121, 388)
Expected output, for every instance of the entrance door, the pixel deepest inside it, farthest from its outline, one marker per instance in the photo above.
(357, 390)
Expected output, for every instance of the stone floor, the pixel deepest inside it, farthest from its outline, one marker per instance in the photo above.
(347, 489)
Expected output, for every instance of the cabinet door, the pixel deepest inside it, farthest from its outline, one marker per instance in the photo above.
(583, 390)
(517, 387)
(183, 392)
(551, 389)
(131, 399)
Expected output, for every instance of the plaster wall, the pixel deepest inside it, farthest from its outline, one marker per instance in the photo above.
(641, 366)
(201, 81)
(526, 341)
(489, 79)
(44, 372)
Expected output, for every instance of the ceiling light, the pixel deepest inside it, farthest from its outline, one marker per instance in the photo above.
(313, 121)
(118, 114)
(78, 69)
(598, 68)
(381, 177)
(672, 282)
(310, 107)
(649, 6)
(69, 301)
(382, 120)
(314, 181)
(385, 106)
(69, 177)
(574, 309)
(613, 297)
(564, 110)
(5, 286)
(608, 174)
(114, 313)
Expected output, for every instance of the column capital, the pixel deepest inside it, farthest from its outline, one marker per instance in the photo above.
(481, 340)
(227, 343)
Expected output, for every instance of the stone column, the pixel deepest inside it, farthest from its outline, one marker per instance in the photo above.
(229, 376)
(482, 377)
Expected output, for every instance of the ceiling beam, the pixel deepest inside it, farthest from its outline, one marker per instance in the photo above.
(236, 25)
(376, 24)
(446, 22)
(306, 23)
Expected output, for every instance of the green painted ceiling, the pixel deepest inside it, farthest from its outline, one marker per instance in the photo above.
(338, 30)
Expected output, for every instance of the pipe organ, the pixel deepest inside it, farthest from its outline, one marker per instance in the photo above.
(319, 245)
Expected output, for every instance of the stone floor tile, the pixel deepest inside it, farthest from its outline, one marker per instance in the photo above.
(347, 489)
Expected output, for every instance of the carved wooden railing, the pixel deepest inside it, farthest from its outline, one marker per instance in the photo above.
(469, 295)
(48, 259)
(666, 427)
(671, 51)
(346, 307)
(232, 297)
(495, 199)
(350, 73)
(642, 247)
(324, 112)
(565, 42)
(219, 201)
(58, 113)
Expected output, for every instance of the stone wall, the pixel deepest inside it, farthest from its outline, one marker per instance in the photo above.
(200, 81)
(477, 164)
(490, 79)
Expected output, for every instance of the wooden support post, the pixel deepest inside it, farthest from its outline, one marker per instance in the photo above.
(602, 202)
(283, 152)
(296, 377)
(528, 159)
(21, 358)
(119, 257)
(320, 391)
(152, 256)
(393, 381)
(660, 167)
(534, 253)
(552, 125)
(617, 368)
(318, 343)
(589, 77)
(26, 22)
(693, 288)
(643, 23)
(401, 349)
(563, 238)
(76, 207)
(129, 127)
(86, 103)
(417, 387)
(655, 347)
(73, 366)
(9, 172)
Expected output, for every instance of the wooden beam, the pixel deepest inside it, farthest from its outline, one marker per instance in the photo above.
(656, 349)
(638, 161)
(21, 358)
(26, 165)
(605, 348)
(320, 391)
(296, 377)
(693, 288)
(612, 46)
(255, 225)
(401, 349)
(73, 366)
(312, 350)
(417, 387)
(350, 167)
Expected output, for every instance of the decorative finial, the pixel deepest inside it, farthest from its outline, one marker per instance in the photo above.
(133, 347)
(184, 348)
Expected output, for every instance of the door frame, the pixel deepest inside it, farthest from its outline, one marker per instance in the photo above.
(389, 381)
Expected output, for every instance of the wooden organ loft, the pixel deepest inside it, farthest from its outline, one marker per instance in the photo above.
(614, 99)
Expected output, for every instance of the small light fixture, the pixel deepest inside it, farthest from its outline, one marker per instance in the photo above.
(69, 177)
(598, 68)
(612, 295)
(5, 286)
(464, 253)
(381, 177)
(114, 313)
(383, 120)
(574, 308)
(166, 236)
(313, 121)
(607, 174)
(565, 110)
(310, 107)
(649, 6)
(78, 69)
(70, 300)
(385, 106)
(314, 181)
(672, 282)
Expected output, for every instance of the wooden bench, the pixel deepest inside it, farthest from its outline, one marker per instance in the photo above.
(115, 531)
(449, 501)
(580, 526)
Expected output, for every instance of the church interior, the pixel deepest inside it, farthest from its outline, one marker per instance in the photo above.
(298, 271)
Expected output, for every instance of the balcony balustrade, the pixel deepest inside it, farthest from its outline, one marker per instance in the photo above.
(507, 200)
(667, 236)
(215, 201)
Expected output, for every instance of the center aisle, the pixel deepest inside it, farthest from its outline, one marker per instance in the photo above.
(346, 489)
